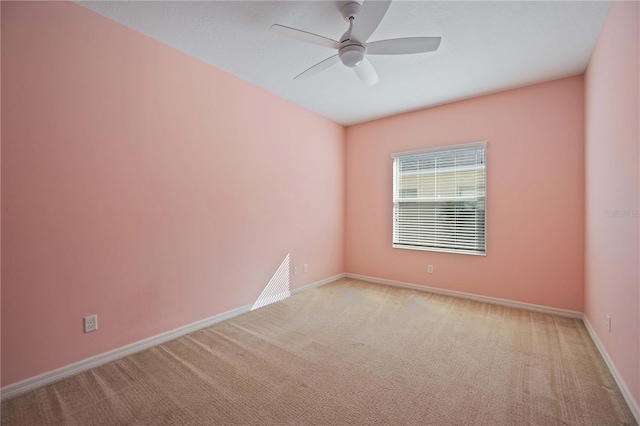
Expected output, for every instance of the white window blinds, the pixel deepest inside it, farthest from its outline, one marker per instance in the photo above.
(439, 199)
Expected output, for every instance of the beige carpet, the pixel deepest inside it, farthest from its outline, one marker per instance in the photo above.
(349, 353)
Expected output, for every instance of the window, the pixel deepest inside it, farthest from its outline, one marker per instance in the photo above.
(439, 199)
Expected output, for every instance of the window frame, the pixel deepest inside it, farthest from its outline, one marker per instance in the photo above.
(441, 148)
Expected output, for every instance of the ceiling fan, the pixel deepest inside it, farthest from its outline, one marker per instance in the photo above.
(353, 47)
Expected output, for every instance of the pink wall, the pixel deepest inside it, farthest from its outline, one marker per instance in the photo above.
(145, 186)
(612, 182)
(0, 187)
(535, 195)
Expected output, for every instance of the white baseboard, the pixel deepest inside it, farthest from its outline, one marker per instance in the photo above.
(317, 283)
(478, 298)
(631, 402)
(69, 370)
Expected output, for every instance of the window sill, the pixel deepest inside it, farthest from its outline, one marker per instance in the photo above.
(472, 253)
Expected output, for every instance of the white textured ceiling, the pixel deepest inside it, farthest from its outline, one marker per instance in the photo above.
(487, 46)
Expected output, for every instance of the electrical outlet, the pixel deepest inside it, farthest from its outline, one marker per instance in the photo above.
(295, 270)
(430, 269)
(305, 268)
(90, 323)
(609, 323)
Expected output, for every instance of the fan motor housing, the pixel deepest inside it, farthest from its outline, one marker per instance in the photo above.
(351, 55)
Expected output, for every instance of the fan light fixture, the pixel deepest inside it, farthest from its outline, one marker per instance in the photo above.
(351, 55)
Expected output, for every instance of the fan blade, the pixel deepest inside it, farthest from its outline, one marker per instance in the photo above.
(366, 72)
(305, 36)
(317, 68)
(368, 19)
(403, 46)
